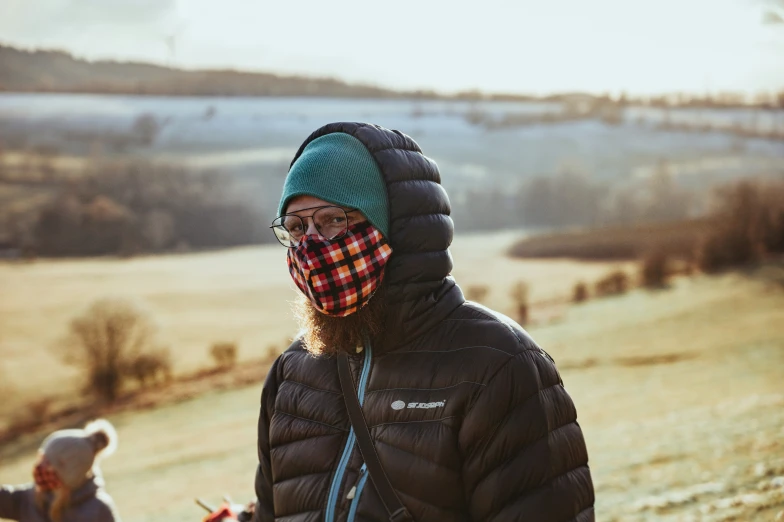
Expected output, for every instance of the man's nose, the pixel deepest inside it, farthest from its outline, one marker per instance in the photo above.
(311, 228)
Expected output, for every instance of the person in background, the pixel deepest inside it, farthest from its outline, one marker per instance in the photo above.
(67, 484)
(467, 415)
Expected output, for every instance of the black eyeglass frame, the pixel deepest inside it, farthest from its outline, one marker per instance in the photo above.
(304, 225)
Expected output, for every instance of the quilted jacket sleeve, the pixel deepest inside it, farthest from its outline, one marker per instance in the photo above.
(524, 453)
(11, 502)
(265, 511)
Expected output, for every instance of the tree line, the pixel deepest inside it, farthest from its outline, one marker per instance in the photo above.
(135, 207)
(52, 70)
(138, 207)
(569, 199)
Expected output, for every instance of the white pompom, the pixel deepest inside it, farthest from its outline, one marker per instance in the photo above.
(105, 427)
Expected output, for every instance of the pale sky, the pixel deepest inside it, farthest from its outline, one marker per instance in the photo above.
(521, 46)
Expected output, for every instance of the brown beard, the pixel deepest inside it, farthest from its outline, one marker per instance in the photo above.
(329, 335)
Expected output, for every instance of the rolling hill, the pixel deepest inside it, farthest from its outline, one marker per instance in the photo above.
(58, 71)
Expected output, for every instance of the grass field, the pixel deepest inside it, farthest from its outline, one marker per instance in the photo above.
(680, 392)
(240, 295)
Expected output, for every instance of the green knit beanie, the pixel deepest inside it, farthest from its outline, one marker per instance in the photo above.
(339, 169)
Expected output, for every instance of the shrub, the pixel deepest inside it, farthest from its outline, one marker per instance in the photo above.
(519, 295)
(614, 283)
(748, 223)
(477, 293)
(615, 243)
(726, 249)
(150, 368)
(580, 292)
(655, 270)
(224, 355)
(145, 129)
(736, 238)
(110, 342)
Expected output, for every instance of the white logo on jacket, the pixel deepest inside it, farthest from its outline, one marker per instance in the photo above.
(399, 405)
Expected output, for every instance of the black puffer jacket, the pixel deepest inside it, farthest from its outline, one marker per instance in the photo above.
(469, 416)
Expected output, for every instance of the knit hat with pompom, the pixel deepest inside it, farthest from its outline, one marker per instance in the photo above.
(74, 453)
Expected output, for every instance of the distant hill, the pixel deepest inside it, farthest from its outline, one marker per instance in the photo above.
(44, 70)
(58, 71)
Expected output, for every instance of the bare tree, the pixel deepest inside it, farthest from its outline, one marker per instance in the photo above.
(748, 225)
(106, 341)
(580, 292)
(224, 354)
(614, 283)
(655, 269)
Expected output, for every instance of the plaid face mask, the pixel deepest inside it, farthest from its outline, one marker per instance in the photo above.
(340, 276)
(45, 476)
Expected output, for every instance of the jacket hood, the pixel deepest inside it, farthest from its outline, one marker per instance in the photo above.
(420, 290)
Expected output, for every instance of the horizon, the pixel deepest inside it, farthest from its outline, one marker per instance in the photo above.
(630, 95)
(709, 46)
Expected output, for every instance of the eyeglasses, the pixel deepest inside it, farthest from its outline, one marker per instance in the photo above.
(331, 223)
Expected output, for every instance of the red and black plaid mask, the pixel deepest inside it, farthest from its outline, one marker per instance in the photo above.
(45, 476)
(340, 276)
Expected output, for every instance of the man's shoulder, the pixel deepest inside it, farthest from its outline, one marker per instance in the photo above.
(296, 351)
(297, 364)
(297, 346)
(500, 342)
(481, 341)
(473, 323)
(476, 344)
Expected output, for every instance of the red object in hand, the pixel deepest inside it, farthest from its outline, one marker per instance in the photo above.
(222, 513)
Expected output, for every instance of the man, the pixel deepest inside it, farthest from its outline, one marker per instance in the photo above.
(469, 417)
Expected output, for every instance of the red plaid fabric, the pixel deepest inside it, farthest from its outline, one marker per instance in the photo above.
(45, 476)
(340, 276)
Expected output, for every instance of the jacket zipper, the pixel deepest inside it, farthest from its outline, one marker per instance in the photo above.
(332, 500)
(355, 492)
